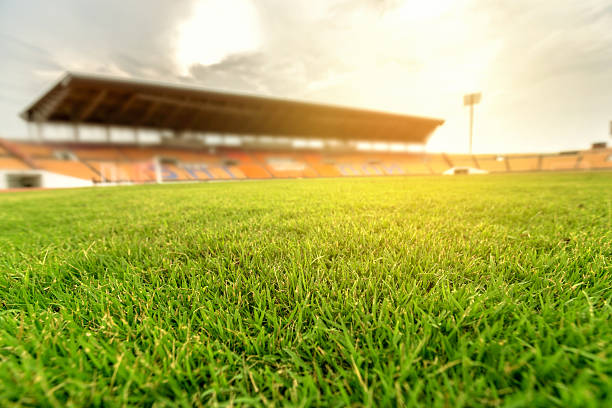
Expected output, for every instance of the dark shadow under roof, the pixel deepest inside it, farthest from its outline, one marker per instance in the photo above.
(97, 100)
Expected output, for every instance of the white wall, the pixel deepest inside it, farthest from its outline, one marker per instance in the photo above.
(49, 179)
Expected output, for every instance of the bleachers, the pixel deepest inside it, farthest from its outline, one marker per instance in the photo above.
(137, 164)
(254, 171)
(559, 162)
(324, 166)
(68, 168)
(236, 172)
(11, 163)
(414, 165)
(437, 163)
(98, 153)
(33, 150)
(463, 160)
(137, 153)
(173, 172)
(492, 163)
(523, 163)
(284, 164)
(137, 172)
(596, 159)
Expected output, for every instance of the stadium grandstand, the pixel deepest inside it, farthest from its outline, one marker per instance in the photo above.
(127, 131)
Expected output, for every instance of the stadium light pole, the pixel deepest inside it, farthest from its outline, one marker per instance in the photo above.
(471, 100)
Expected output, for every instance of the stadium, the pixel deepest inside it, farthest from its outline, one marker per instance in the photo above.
(172, 244)
(263, 132)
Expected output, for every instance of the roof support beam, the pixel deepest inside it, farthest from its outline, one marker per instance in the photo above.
(166, 122)
(116, 115)
(190, 103)
(92, 105)
(149, 113)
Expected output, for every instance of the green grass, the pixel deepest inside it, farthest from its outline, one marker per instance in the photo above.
(458, 291)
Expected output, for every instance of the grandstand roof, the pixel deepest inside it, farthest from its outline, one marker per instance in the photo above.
(99, 100)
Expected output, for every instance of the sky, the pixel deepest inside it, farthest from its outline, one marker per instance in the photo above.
(544, 67)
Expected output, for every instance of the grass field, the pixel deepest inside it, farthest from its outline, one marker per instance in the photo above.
(436, 291)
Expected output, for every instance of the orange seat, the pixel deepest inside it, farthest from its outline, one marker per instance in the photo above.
(561, 162)
(371, 169)
(32, 150)
(416, 166)
(254, 171)
(137, 172)
(326, 170)
(68, 168)
(10, 163)
(196, 171)
(437, 163)
(236, 172)
(172, 172)
(219, 173)
(596, 160)
(392, 169)
(523, 163)
(240, 157)
(107, 170)
(492, 163)
(462, 160)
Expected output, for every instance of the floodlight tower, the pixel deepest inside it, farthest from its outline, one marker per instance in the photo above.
(471, 100)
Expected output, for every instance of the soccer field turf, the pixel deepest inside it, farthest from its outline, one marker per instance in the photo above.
(433, 291)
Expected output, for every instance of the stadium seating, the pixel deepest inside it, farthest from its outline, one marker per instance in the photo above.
(11, 163)
(492, 163)
(285, 164)
(68, 168)
(136, 172)
(98, 153)
(197, 171)
(254, 171)
(137, 164)
(523, 163)
(172, 172)
(219, 173)
(596, 159)
(559, 162)
(415, 165)
(324, 167)
(463, 160)
(438, 163)
(33, 150)
(392, 169)
(235, 172)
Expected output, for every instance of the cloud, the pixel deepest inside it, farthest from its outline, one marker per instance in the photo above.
(415, 57)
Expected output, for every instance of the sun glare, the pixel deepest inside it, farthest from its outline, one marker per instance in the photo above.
(416, 9)
(216, 29)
